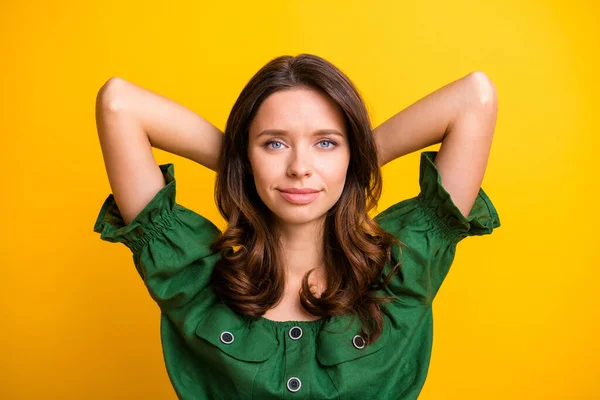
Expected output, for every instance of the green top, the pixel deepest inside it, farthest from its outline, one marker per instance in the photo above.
(211, 352)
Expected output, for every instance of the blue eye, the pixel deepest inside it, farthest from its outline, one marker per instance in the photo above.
(272, 142)
(280, 144)
(331, 142)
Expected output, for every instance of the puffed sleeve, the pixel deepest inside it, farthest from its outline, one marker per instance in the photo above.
(430, 226)
(170, 244)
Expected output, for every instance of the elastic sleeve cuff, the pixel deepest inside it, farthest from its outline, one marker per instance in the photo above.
(438, 205)
(156, 216)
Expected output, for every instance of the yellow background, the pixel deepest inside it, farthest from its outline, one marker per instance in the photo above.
(518, 315)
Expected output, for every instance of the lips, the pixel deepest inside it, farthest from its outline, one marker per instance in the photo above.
(299, 196)
(299, 190)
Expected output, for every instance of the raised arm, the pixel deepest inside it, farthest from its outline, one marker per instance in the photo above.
(130, 121)
(460, 115)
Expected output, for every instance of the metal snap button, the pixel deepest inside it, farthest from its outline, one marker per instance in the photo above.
(227, 337)
(358, 342)
(295, 333)
(294, 384)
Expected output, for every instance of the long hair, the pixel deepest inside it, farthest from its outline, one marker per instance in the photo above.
(249, 277)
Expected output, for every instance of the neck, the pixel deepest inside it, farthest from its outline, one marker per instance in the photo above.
(302, 246)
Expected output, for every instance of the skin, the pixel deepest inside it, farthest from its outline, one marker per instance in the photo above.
(131, 120)
(299, 158)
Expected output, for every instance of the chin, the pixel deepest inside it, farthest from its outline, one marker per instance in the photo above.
(297, 216)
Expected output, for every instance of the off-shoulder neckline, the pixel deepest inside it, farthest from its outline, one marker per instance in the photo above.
(291, 323)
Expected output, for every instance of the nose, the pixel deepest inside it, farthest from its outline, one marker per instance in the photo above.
(300, 164)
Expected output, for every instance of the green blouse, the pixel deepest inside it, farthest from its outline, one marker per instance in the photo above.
(211, 352)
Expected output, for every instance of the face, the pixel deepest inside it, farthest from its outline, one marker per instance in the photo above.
(299, 150)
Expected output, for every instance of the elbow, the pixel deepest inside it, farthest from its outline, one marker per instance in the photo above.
(109, 95)
(484, 89)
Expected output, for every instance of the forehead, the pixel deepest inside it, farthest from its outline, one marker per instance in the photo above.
(298, 110)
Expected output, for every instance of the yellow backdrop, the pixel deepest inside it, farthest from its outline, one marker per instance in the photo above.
(517, 317)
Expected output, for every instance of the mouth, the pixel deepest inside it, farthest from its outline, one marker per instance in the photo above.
(300, 198)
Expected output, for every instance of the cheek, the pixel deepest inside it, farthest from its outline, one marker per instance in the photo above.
(257, 167)
(334, 170)
(264, 175)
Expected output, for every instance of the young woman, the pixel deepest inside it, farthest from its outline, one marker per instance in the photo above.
(303, 295)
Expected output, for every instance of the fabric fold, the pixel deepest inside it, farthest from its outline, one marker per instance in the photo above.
(155, 217)
(430, 226)
(171, 244)
(437, 204)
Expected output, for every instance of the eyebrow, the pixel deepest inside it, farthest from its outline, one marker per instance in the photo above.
(320, 132)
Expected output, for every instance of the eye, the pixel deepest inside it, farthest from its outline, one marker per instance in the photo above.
(327, 141)
(273, 142)
(278, 145)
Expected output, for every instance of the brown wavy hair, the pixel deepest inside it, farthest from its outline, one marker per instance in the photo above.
(249, 277)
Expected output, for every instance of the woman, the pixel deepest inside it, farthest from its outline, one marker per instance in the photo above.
(303, 295)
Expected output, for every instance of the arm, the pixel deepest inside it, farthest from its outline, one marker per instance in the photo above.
(169, 125)
(130, 120)
(460, 115)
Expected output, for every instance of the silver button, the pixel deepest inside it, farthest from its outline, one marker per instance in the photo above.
(227, 337)
(294, 384)
(358, 342)
(295, 332)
